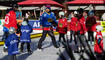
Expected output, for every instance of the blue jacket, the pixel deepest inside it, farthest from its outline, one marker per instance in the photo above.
(12, 44)
(5, 29)
(25, 33)
(45, 17)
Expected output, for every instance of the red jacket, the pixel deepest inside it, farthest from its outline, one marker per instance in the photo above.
(75, 24)
(91, 24)
(97, 45)
(78, 26)
(10, 20)
(83, 26)
(62, 26)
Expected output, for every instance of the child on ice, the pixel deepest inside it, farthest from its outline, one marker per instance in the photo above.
(62, 27)
(98, 47)
(25, 36)
(12, 44)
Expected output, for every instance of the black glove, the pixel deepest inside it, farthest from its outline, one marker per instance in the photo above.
(54, 23)
(57, 29)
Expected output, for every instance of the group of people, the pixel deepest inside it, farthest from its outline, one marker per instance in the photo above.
(81, 22)
(10, 37)
(79, 25)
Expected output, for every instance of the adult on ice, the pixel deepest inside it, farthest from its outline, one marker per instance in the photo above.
(90, 25)
(10, 21)
(46, 20)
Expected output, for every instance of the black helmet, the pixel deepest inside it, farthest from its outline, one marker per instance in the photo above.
(80, 10)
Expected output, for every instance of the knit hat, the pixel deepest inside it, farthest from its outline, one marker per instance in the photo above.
(48, 7)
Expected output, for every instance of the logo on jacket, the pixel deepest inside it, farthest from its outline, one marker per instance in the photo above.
(24, 30)
(60, 25)
(76, 23)
(7, 20)
(14, 41)
(50, 19)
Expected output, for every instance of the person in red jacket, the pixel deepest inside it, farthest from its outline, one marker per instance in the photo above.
(62, 26)
(83, 24)
(10, 21)
(75, 30)
(80, 30)
(77, 34)
(90, 25)
(98, 46)
(10, 18)
(72, 26)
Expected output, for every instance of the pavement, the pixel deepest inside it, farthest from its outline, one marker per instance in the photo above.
(48, 52)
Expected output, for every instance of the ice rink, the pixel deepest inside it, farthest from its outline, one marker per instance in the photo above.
(48, 52)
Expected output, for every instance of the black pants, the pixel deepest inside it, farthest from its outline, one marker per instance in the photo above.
(5, 36)
(12, 57)
(51, 34)
(83, 39)
(76, 39)
(90, 36)
(72, 34)
(99, 56)
(22, 46)
(61, 35)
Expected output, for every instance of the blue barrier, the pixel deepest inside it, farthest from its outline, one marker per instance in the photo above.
(34, 23)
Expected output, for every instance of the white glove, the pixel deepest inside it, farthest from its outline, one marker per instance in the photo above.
(5, 46)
